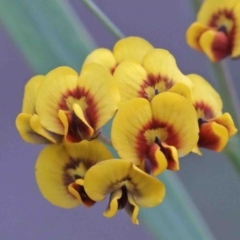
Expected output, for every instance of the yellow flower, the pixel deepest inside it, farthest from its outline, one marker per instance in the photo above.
(27, 122)
(215, 128)
(128, 186)
(153, 134)
(77, 106)
(217, 29)
(129, 48)
(60, 172)
(157, 73)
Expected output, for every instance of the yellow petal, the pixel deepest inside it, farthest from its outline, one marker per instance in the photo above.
(90, 152)
(194, 33)
(206, 100)
(130, 77)
(161, 64)
(30, 93)
(182, 89)
(177, 117)
(197, 150)
(157, 160)
(101, 95)
(111, 175)
(113, 204)
(39, 129)
(131, 48)
(213, 136)
(26, 131)
(215, 44)
(52, 176)
(103, 57)
(132, 209)
(132, 117)
(57, 91)
(226, 121)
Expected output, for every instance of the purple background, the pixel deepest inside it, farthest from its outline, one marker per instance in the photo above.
(211, 180)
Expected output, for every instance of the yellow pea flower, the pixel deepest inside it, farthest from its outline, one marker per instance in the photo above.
(154, 134)
(60, 172)
(215, 127)
(77, 106)
(27, 122)
(128, 186)
(216, 31)
(129, 48)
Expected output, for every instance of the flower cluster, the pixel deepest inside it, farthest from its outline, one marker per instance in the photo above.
(158, 116)
(217, 29)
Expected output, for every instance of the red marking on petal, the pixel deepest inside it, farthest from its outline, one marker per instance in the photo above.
(205, 108)
(112, 70)
(221, 46)
(226, 44)
(91, 112)
(151, 158)
(142, 148)
(151, 81)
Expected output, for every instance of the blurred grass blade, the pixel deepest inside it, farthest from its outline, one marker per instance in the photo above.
(49, 34)
(177, 217)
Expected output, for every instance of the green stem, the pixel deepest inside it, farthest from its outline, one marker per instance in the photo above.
(116, 32)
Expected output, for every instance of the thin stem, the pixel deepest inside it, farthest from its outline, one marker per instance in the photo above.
(104, 19)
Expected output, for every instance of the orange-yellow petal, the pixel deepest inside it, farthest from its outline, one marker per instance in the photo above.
(213, 136)
(111, 175)
(102, 56)
(28, 134)
(57, 91)
(131, 48)
(182, 89)
(177, 116)
(160, 64)
(194, 33)
(30, 94)
(129, 121)
(53, 178)
(226, 121)
(206, 100)
(132, 209)
(101, 96)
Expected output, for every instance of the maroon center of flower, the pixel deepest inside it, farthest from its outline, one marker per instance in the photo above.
(224, 43)
(91, 111)
(123, 200)
(152, 81)
(142, 147)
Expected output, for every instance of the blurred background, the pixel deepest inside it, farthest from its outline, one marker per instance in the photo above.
(210, 180)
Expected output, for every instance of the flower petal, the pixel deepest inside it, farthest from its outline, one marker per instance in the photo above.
(39, 129)
(194, 33)
(30, 93)
(109, 176)
(215, 44)
(161, 64)
(178, 117)
(28, 134)
(113, 204)
(132, 209)
(206, 100)
(130, 77)
(51, 176)
(213, 136)
(130, 119)
(131, 48)
(101, 94)
(102, 56)
(226, 121)
(57, 87)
